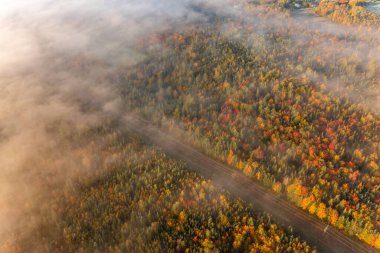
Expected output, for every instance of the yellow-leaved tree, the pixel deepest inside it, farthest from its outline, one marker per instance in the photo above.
(321, 211)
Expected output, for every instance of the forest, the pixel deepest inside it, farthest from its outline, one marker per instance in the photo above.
(283, 94)
(349, 13)
(146, 201)
(244, 107)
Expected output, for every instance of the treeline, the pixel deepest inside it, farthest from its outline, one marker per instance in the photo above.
(349, 12)
(243, 107)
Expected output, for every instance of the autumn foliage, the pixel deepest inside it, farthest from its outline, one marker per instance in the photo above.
(297, 137)
(157, 205)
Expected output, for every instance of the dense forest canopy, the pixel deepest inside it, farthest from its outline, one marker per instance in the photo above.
(287, 92)
(251, 106)
(144, 201)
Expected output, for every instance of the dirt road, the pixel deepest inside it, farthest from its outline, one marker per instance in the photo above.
(326, 238)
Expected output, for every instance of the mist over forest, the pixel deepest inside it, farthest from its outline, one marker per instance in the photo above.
(286, 95)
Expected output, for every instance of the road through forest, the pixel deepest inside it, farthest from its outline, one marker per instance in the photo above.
(239, 185)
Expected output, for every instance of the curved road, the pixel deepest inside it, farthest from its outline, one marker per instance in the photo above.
(327, 239)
